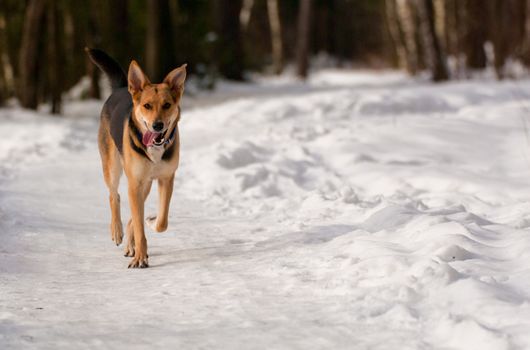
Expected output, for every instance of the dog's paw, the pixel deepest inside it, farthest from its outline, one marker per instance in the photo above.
(116, 232)
(153, 223)
(129, 251)
(139, 262)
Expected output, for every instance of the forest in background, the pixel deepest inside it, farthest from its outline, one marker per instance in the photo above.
(42, 41)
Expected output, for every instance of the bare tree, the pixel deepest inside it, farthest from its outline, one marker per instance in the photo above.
(405, 13)
(152, 44)
(395, 33)
(245, 14)
(439, 20)
(504, 32)
(93, 40)
(29, 55)
(6, 69)
(453, 34)
(276, 35)
(118, 27)
(174, 12)
(431, 43)
(54, 54)
(229, 47)
(525, 45)
(475, 33)
(304, 24)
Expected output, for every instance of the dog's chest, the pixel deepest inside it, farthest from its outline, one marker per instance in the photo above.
(155, 154)
(159, 167)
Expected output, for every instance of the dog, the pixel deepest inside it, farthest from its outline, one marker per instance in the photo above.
(138, 134)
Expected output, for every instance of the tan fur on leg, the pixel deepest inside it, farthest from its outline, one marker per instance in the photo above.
(165, 189)
(112, 170)
(138, 192)
(129, 248)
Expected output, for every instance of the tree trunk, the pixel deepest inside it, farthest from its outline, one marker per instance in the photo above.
(229, 48)
(3, 84)
(525, 47)
(245, 14)
(503, 35)
(454, 35)
(119, 44)
(395, 33)
(54, 66)
(475, 34)
(450, 27)
(431, 43)
(29, 55)
(152, 44)
(93, 40)
(405, 14)
(499, 46)
(304, 24)
(6, 69)
(439, 21)
(276, 35)
(174, 12)
(70, 69)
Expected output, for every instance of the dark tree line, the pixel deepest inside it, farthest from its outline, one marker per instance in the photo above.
(42, 41)
(426, 32)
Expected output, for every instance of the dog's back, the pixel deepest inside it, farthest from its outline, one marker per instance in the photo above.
(116, 111)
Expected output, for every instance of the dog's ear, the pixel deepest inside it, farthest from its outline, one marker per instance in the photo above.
(137, 79)
(175, 79)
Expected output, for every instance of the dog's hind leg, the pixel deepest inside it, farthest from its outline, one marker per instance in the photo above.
(129, 247)
(112, 170)
(165, 189)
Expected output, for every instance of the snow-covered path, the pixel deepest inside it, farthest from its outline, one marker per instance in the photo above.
(361, 211)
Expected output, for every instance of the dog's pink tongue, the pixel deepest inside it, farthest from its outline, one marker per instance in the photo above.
(149, 137)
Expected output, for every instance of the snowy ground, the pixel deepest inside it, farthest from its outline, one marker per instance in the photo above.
(359, 211)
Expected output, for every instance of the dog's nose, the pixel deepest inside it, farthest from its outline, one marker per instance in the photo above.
(158, 126)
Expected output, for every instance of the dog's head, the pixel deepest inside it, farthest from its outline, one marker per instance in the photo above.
(156, 106)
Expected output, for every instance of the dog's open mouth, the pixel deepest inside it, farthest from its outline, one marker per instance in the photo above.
(153, 138)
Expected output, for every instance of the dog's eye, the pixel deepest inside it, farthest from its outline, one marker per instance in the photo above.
(147, 106)
(166, 105)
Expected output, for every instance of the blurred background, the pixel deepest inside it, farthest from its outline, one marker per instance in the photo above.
(42, 41)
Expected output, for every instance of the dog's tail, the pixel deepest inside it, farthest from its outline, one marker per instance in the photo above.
(109, 66)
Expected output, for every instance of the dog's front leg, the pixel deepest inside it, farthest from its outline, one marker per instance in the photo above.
(137, 190)
(129, 248)
(165, 190)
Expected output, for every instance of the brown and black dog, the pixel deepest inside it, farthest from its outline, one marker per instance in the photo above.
(138, 134)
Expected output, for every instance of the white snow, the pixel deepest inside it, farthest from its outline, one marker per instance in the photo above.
(359, 211)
